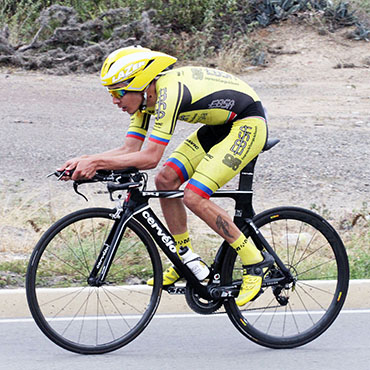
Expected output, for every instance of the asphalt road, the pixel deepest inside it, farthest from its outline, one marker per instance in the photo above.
(193, 342)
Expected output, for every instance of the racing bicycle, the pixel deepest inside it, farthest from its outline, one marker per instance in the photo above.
(86, 279)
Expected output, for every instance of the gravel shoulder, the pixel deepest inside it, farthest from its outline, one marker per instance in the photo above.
(320, 113)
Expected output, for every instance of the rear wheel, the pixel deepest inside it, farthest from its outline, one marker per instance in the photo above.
(83, 318)
(301, 311)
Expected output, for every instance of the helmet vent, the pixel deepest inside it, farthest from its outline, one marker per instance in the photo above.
(149, 63)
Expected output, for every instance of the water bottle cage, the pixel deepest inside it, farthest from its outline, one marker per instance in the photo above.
(195, 259)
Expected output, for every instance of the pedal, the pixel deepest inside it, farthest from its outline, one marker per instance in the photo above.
(172, 289)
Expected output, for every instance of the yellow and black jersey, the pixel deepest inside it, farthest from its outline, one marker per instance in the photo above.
(196, 95)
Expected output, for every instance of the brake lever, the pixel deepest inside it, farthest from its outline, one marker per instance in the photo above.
(60, 174)
(75, 188)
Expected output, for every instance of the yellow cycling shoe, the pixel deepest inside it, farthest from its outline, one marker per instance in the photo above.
(252, 279)
(170, 276)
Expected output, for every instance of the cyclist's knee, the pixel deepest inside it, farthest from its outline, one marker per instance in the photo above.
(167, 179)
(193, 201)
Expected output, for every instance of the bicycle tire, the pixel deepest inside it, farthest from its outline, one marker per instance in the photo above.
(316, 256)
(82, 318)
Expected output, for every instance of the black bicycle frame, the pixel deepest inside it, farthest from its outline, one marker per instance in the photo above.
(136, 206)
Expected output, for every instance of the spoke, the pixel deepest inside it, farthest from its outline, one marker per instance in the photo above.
(304, 306)
(264, 310)
(75, 315)
(284, 321)
(272, 236)
(67, 304)
(309, 243)
(106, 319)
(296, 244)
(63, 296)
(272, 318)
(303, 282)
(127, 249)
(115, 306)
(316, 267)
(124, 301)
(97, 318)
(94, 240)
(104, 238)
(309, 295)
(81, 248)
(130, 291)
(315, 251)
(322, 278)
(68, 247)
(64, 261)
(287, 240)
(118, 258)
(292, 313)
(83, 320)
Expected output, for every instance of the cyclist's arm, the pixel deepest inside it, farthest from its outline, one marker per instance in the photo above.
(135, 137)
(131, 145)
(144, 159)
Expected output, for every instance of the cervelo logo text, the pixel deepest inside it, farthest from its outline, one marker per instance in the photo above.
(166, 239)
(127, 71)
(105, 251)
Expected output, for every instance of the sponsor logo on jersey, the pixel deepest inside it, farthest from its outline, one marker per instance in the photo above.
(241, 143)
(197, 73)
(222, 104)
(231, 161)
(161, 104)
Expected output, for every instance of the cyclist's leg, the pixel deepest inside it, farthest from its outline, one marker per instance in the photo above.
(178, 168)
(222, 162)
(225, 160)
(181, 166)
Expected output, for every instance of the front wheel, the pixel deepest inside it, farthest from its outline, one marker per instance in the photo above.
(83, 318)
(301, 311)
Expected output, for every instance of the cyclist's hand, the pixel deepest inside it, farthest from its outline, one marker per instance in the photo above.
(84, 169)
(71, 165)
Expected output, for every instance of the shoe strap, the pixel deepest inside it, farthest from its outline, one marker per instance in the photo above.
(257, 268)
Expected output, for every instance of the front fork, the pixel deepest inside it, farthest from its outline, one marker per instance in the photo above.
(109, 248)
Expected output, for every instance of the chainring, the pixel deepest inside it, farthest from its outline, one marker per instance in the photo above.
(201, 305)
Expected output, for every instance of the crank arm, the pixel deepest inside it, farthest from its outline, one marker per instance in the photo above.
(172, 289)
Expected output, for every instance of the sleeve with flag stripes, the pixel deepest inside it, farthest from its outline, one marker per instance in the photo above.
(139, 124)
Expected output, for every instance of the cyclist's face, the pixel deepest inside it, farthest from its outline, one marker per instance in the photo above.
(130, 102)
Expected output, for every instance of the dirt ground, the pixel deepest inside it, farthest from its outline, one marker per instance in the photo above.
(321, 114)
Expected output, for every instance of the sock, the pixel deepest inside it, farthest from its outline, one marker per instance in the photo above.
(182, 240)
(247, 251)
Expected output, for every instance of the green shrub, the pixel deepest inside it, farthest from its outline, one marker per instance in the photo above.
(203, 31)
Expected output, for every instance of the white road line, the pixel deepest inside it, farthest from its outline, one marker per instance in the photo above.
(185, 316)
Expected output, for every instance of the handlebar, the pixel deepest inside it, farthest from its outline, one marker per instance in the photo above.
(121, 176)
(117, 179)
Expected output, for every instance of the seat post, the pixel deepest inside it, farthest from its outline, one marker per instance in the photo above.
(243, 202)
(246, 176)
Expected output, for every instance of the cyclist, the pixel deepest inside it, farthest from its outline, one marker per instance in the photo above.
(143, 83)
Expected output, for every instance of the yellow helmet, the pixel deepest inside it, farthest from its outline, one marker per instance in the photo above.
(136, 65)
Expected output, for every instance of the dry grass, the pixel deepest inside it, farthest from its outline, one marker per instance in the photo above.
(26, 215)
(354, 229)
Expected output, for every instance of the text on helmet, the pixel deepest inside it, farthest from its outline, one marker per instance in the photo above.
(129, 70)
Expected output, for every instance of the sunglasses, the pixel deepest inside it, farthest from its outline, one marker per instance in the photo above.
(117, 93)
